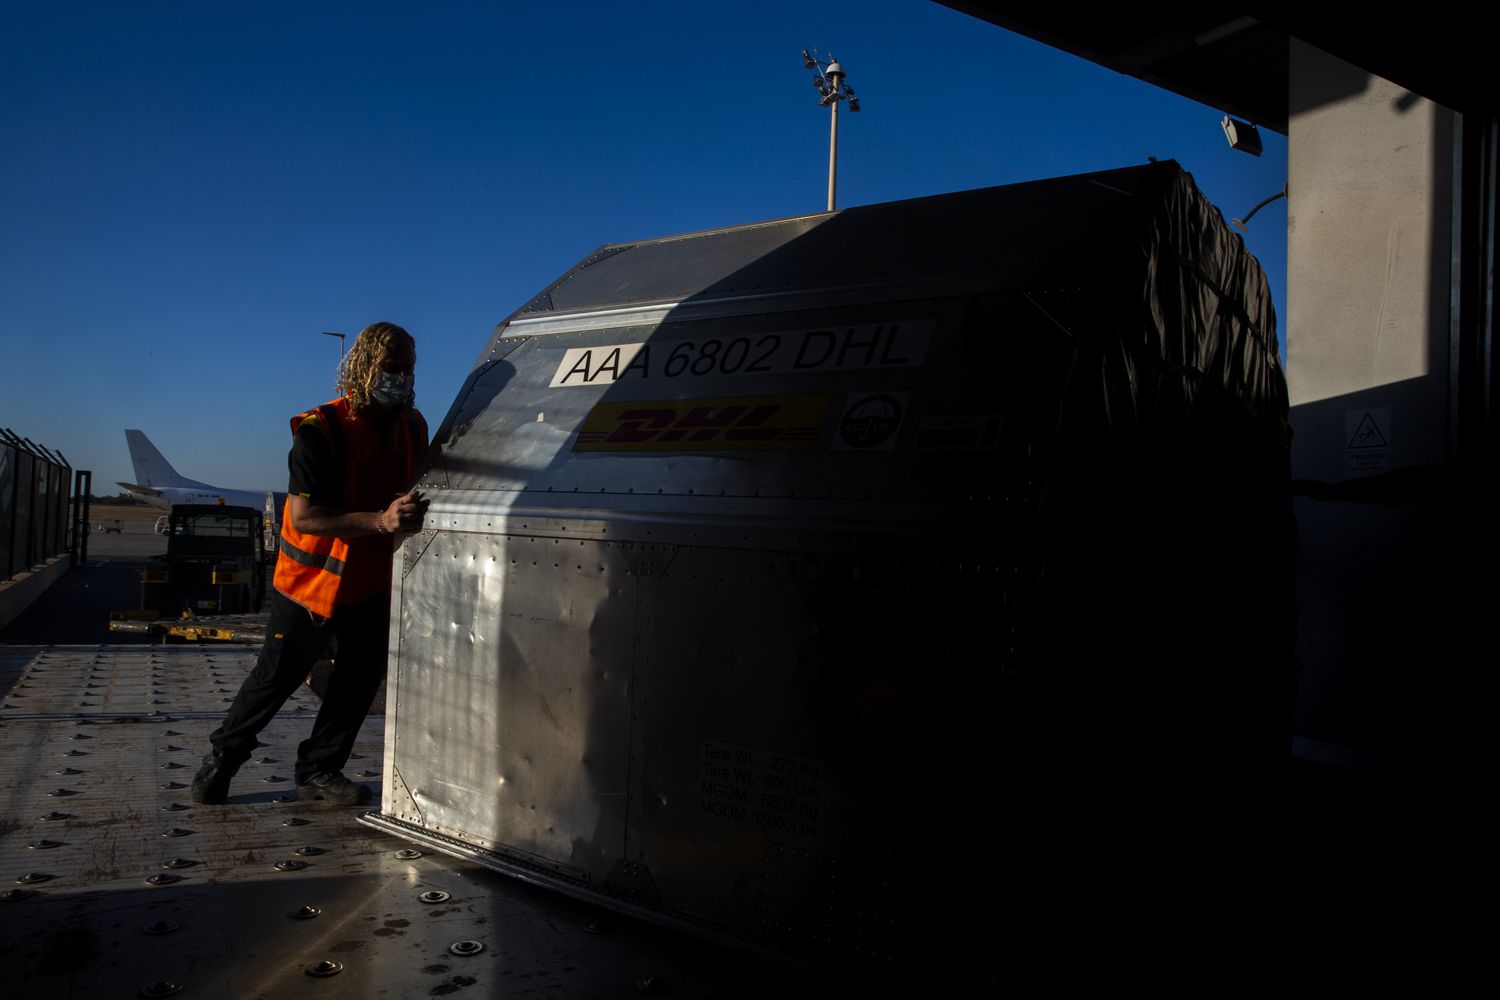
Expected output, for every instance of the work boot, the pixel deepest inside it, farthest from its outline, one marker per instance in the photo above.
(333, 787)
(211, 783)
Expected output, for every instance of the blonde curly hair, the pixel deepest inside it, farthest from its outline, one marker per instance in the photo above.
(361, 366)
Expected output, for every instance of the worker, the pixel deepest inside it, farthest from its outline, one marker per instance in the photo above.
(349, 501)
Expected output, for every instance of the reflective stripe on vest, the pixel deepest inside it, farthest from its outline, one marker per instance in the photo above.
(323, 561)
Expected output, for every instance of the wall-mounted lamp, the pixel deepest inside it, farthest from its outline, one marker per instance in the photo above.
(1242, 224)
(1242, 136)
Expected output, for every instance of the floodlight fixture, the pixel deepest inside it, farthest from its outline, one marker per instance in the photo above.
(1242, 136)
(829, 77)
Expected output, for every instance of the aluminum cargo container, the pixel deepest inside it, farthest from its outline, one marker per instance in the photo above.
(808, 584)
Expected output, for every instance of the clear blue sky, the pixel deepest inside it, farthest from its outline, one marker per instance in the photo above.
(191, 192)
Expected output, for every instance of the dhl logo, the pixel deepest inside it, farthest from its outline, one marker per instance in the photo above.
(732, 423)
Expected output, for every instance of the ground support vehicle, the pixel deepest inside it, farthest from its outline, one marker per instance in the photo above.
(797, 582)
(215, 563)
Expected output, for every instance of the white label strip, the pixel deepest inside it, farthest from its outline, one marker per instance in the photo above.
(835, 348)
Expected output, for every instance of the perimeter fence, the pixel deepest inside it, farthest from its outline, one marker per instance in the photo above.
(34, 500)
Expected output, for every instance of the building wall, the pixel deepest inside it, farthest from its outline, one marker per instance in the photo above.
(1368, 251)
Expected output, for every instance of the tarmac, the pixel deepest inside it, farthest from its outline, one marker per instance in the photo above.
(119, 885)
(128, 718)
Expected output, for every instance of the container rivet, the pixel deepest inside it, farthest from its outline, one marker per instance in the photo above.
(653, 984)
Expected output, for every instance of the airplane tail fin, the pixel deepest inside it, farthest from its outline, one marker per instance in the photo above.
(151, 469)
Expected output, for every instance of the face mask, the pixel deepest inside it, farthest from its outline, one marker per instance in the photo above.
(391, 389)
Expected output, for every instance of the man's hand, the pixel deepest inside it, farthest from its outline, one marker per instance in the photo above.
(403, 517)
(405, 514)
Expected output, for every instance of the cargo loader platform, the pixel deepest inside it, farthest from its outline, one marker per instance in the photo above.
(221, 628)
(117, 884)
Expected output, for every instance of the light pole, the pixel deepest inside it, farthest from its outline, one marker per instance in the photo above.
(328, 333)
(829, 78)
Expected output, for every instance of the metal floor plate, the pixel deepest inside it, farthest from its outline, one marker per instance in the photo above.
(100, 744)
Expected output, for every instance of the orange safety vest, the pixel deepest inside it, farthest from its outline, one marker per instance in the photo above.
(310, 568)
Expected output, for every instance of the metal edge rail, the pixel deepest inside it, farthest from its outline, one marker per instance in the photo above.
(594, 895)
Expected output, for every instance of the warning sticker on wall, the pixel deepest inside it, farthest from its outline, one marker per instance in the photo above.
(1367, 434)
(729, 423)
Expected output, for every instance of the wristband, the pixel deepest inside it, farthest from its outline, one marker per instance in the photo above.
(380, 527)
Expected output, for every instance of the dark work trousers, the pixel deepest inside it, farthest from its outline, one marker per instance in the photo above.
(294, 641)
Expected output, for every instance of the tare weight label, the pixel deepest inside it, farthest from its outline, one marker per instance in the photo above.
(776, 792)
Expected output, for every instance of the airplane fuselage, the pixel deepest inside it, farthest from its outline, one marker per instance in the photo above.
(166, 496)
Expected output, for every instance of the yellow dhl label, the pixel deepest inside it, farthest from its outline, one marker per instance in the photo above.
(731, 423)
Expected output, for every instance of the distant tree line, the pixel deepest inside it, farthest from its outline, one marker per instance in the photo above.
(120, 499)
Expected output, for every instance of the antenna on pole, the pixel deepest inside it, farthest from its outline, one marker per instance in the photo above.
(832, 84)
